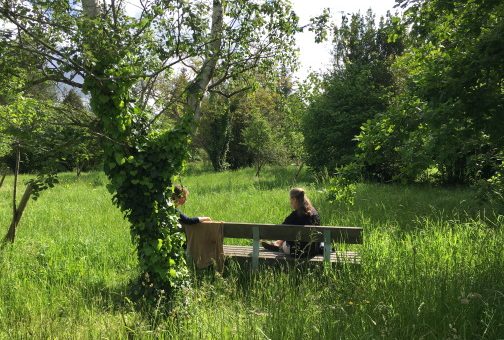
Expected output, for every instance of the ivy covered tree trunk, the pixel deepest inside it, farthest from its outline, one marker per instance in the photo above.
(121, 60)
(140, 163)
(141, 167)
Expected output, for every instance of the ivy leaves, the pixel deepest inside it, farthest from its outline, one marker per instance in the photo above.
(120, 58)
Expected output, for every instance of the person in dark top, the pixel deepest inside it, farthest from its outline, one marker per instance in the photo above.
(179, 197)
(303, 214)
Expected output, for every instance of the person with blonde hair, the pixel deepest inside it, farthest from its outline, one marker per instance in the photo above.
(179, 197)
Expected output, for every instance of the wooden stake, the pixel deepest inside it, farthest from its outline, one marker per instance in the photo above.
(16, 173)
(11, 234)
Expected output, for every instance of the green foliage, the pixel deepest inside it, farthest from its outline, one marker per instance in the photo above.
(52, 135)
(262, 142)
(42, 182)
(433, 113)
(216, 130)
(492, 189)
(432, 263)
(82, 150)
(26, 122)
(266, 97)
(342, 188)
(447, 112)
(354, 91)
(341, 191)
(392, 145)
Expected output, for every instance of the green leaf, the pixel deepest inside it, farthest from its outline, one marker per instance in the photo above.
(119, 158)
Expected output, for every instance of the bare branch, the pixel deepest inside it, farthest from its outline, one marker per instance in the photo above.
(55, 78)
(63, 58)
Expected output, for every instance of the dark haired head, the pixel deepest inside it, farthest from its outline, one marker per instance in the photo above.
(303, 204)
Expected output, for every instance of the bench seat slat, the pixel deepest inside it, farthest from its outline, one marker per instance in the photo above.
(247, 251)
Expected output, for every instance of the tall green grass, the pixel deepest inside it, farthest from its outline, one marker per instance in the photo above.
(432, 267)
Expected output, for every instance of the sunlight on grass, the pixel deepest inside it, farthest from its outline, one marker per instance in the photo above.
(432, 267)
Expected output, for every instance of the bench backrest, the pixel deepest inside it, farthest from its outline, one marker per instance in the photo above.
(352, 235)
(307, 233)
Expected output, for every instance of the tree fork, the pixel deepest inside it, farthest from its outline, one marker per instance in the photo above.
(11, 234)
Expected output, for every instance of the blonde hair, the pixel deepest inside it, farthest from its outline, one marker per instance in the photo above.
(179, 191)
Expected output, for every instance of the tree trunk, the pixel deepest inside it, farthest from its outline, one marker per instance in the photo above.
(91, 8)
(78, 169)
(2, 179)
(200, 84)
(299, 171)
(11, 234)
(16, 174)
(259, 167)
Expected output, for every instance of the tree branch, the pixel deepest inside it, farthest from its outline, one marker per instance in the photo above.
(229, 95)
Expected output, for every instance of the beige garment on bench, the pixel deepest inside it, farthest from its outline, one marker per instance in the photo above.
(205, 244)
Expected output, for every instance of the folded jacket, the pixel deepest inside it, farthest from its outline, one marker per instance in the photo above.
(205, 244)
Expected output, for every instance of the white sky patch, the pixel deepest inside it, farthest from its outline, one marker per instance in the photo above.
(133, 8)
(312, 56)
(317, 57)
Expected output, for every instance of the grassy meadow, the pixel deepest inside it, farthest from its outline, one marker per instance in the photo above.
(432, 267)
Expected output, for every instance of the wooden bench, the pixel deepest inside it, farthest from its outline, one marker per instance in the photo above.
(257, 232)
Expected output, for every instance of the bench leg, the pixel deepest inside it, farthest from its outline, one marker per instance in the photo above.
(255, 252)
(327, 248)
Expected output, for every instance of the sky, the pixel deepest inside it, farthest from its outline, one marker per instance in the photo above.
(313, 56)
(317, 57)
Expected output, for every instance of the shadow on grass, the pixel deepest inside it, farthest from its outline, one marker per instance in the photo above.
(128, 297)
(296, 272)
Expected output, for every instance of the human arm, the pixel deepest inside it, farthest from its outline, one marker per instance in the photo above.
(291, 219)
(184, 219)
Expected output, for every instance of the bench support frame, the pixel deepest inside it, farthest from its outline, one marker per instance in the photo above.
(327, 247)
(308, 233)
(255, 252)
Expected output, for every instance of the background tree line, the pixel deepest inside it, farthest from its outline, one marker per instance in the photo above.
(414, 98)
(408, 98)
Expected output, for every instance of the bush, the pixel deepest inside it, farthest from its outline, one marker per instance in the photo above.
(343, 186)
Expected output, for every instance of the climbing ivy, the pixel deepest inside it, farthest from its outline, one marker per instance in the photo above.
(141, 163)
(141, 166)
(119, 56)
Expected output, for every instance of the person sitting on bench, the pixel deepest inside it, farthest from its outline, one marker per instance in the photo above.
(303, 214)
(179, 197)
